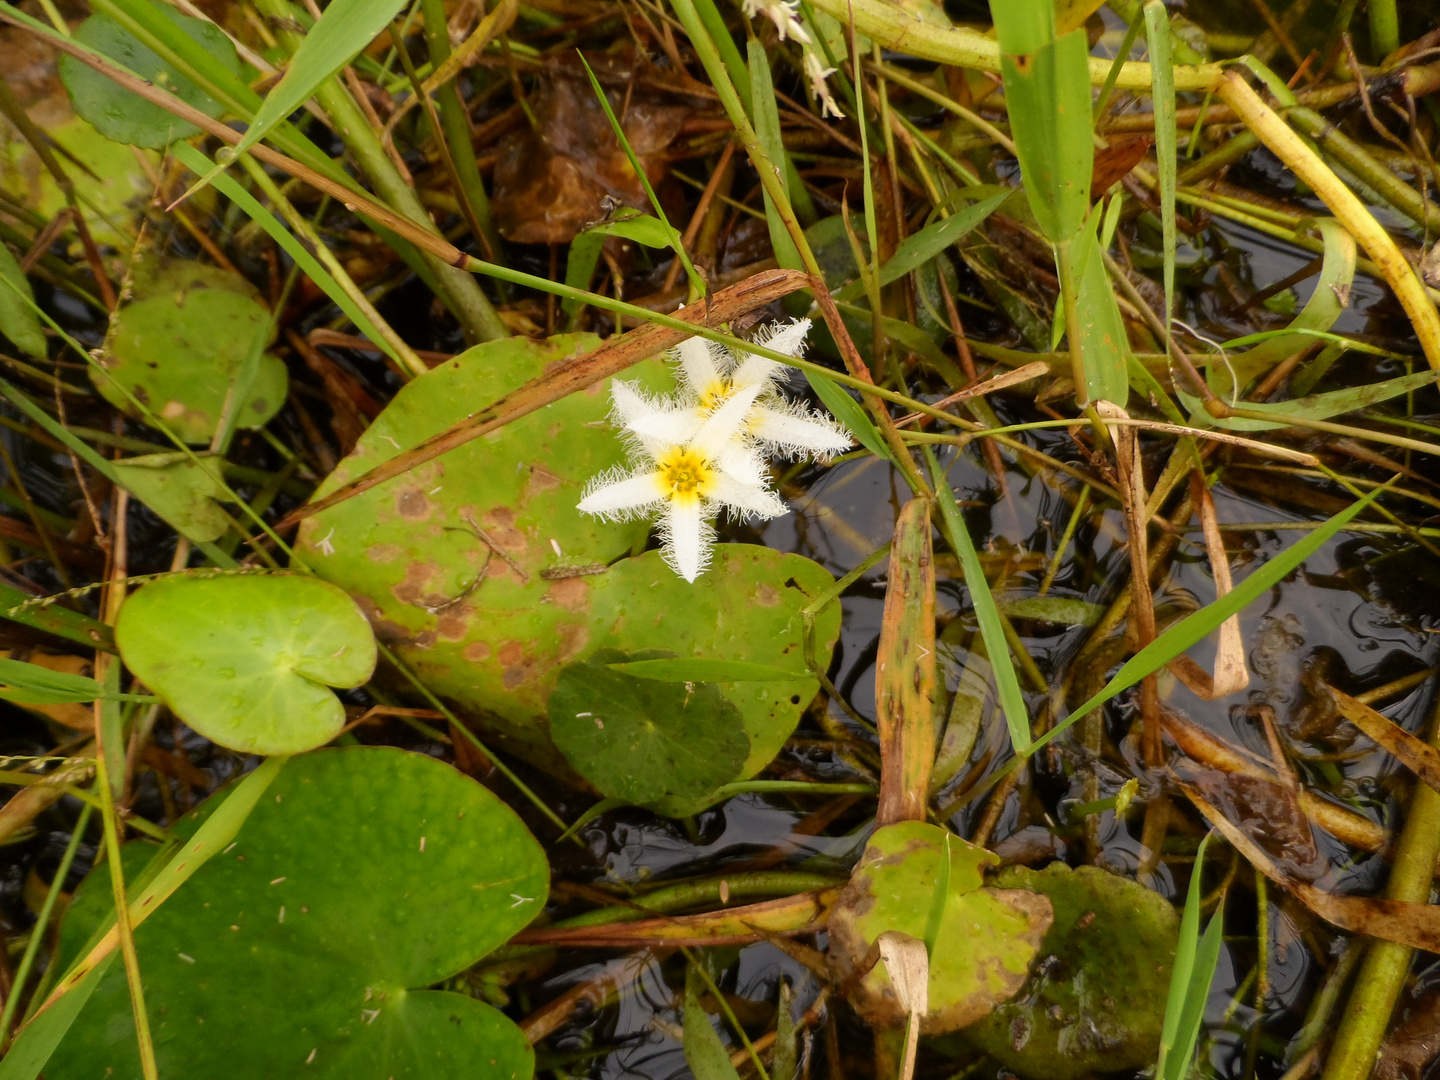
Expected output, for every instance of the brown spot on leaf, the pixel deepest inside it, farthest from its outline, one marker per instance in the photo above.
(573, 594)
(477, 652)
(767, 595)
(382, 553)
(412, 505)
(542, 479)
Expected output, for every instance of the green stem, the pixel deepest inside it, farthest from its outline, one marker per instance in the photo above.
(457, 126)
(1384, 28)
(42, 921)
(457, 289)
(1383, 971)
(1070, 292)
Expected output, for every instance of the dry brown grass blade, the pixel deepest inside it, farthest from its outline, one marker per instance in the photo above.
(802, 913)
(1413, 925)
(1415, 754)
(905, 670)
(614, 356)
(1230, 672)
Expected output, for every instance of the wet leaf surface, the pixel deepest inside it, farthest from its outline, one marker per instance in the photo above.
(479, 570)
(248, 660)
(363, 876)
(1095, 999)
(126, 117)
(985, 937)
(178, 349)
(181, 490)
(641, 739)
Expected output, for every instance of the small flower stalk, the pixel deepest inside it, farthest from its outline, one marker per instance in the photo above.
(702, 449)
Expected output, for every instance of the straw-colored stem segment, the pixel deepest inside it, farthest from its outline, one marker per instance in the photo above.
(1351, 212)
(1386, 965)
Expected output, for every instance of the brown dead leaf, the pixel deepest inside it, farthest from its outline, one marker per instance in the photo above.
(1268, 812)
(1411, 1044)
(1415, 754)
(1117, 159)
(569, 170)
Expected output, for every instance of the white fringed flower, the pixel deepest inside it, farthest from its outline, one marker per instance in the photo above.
(686, 481)
(711, 377)
(817, 74)
(785, 16)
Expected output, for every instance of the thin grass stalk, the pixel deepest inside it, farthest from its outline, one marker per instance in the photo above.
(1384, 27)
(42, 924)
(457, 129)
(1352, 213)
(460, 292)
(1386, 965)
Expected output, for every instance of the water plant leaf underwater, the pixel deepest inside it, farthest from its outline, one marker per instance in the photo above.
(364, 876)
(1098, 1002)
(248, 660)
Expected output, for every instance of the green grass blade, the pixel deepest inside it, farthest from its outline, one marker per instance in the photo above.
(987, 614)
(1322, 406)
(37, 1041)
(584, 254)
(1047, 90)
(1182, 974)
(920, 247)
(1104, 345)
(767, 127)
(1157, 30)
(346, 28)
(198, 163)
(704, 669)
(1199, 624)
(848, 411)
(697, 283)
(1207, 958)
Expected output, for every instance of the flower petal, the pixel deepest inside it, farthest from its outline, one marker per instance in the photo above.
(619, 495)
(671, 427)
(794, 431)
(747, 500)
(699, 365)
(742, 464)
(725, 423)
(687, 537)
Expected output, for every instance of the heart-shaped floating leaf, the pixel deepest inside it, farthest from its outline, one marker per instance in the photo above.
(182, 490)
(248, 660)
(178, 351)
(480, 572)
(125, 116)
(982, 939)
(363, 876)
(642, 739)
(1098, 1004)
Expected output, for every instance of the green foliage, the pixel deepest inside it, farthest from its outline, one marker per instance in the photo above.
(704, 1052)
(306, 948)
(185, 492)
(490, 628)
(643, 740)
(248, 660)
(584, 251)
(31, 684)
(178, 348)
(981, 941)
(1096, 1004)
(18, 320)
(1195, 961)
(124, 116)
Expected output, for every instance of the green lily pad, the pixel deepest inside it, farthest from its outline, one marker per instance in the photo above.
(490, 628)
(1097, 1003)
(124, 116)
(181, 490)
(248, 660)
(983, 938)
(640, 739)
(177, 352)
(363, 876)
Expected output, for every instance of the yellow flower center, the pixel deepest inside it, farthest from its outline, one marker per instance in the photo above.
(685, 475)
(714, 394)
